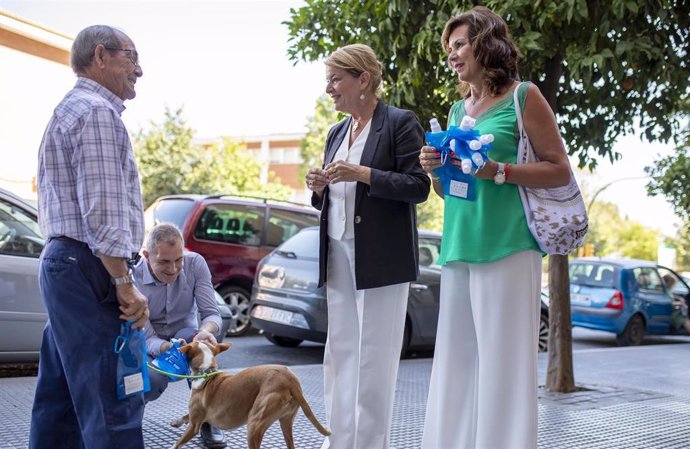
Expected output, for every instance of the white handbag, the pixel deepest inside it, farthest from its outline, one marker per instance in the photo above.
(556, 216)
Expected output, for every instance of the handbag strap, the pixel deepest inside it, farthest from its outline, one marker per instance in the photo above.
(525, 153)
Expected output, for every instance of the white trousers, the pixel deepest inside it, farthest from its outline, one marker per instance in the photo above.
(362, 354)
(483, 389)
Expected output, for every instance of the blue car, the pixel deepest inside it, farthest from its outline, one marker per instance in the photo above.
(628, 297)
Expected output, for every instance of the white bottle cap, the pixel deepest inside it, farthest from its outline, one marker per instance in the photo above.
(486, 139)
(478, 160)
(475, 145)
(435, 126)
(467, 123)
(466, 165)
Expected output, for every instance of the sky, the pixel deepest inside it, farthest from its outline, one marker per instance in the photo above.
(225, 63)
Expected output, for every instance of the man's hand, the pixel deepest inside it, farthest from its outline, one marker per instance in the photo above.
(165, 346)
(133, 305)
(204, 335)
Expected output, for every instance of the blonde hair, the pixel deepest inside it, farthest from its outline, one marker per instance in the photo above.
(357, 59)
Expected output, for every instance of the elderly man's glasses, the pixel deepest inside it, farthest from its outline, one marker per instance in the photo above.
(132, 55)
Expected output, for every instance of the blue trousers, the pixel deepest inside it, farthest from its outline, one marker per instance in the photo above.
(159, 382)
(76, 404)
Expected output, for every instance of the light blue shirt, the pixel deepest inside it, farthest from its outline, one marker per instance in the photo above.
(88, 183)
(174, 306)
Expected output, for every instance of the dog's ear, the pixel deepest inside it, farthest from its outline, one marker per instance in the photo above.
(220, 347)
(187, 347)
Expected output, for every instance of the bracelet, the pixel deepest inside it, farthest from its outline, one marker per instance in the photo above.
(507, 170)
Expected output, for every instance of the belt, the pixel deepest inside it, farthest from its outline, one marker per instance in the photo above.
(63, 238)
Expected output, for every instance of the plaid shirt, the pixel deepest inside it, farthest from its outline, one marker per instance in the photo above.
(88, 184)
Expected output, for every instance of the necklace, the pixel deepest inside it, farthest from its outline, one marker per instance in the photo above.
(356, 123)
(474, 102)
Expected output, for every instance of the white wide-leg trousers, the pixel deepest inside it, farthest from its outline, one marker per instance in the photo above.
(362, 354)
(483, 389)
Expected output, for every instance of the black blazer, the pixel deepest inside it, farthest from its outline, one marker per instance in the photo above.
(385, 221)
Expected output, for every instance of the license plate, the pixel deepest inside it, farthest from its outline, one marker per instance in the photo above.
(281, 316)
(580, 300)
(271, 314)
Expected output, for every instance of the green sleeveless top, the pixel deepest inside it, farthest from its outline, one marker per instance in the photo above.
(494, 225)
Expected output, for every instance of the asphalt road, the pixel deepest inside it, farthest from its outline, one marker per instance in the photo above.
(254, 349)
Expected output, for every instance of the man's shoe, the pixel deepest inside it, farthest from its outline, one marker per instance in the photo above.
(213, 437)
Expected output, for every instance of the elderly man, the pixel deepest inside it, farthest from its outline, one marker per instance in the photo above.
(177, 285)
(90, 209)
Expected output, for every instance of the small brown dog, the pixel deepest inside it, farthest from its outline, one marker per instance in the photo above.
(256, 396)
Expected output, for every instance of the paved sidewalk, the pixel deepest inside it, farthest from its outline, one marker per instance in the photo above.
(632, 398)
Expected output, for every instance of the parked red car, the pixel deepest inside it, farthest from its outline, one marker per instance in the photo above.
(233, 233)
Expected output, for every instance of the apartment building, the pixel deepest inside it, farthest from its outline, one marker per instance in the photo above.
(35, 75)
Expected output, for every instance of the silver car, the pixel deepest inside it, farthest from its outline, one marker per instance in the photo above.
(289, 308)
(22, 314)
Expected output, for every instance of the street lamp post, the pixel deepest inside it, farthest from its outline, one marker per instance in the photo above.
(607, 185)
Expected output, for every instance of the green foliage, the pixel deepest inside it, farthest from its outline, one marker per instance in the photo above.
(314, 142)
(169, 164)
(629, 68)
(228, 168)
(430, 213)
(618, 236)
(671, 177)
(682, 245)
(637, 242)
(165, 157)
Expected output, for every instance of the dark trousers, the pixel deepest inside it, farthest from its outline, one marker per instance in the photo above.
(76, 404)
(159, 382)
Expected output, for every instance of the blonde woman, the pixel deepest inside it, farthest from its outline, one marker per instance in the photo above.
(366, 189)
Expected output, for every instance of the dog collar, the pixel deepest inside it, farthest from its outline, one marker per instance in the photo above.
(205, 374)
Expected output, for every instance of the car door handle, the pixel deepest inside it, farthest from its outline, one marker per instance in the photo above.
(419, 286)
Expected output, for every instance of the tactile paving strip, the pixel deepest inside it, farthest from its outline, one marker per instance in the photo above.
(605, 417)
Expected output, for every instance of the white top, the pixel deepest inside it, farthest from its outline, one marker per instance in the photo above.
(341, 196)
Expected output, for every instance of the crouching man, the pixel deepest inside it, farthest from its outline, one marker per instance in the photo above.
(178, 286)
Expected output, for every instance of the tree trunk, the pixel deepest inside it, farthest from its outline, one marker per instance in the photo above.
(559, 373)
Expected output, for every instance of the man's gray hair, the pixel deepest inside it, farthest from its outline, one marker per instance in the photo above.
(86, 41)
(163, 232)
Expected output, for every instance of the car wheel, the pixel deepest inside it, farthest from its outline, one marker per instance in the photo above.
(285, 342)
(237, 300)
(633, 333)
(543, 333)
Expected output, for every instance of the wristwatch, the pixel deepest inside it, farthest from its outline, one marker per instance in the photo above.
(500, 176)
(126, 279)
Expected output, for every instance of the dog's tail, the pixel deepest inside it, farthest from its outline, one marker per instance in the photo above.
(299, 397)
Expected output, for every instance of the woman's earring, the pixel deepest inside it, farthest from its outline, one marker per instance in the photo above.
(362, 97)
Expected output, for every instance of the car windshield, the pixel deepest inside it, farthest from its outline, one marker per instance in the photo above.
(594, 274)
(304, 244)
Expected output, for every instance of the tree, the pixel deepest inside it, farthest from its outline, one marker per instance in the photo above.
(229, 169)
(682, 245)
(314, 142)
(671, 178)
(169, 163)
(628, 69)
(165, 157)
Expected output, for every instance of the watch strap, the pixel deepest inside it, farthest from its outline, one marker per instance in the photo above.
(126, 279)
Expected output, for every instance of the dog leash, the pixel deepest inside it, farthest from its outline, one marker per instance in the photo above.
(205, 375)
